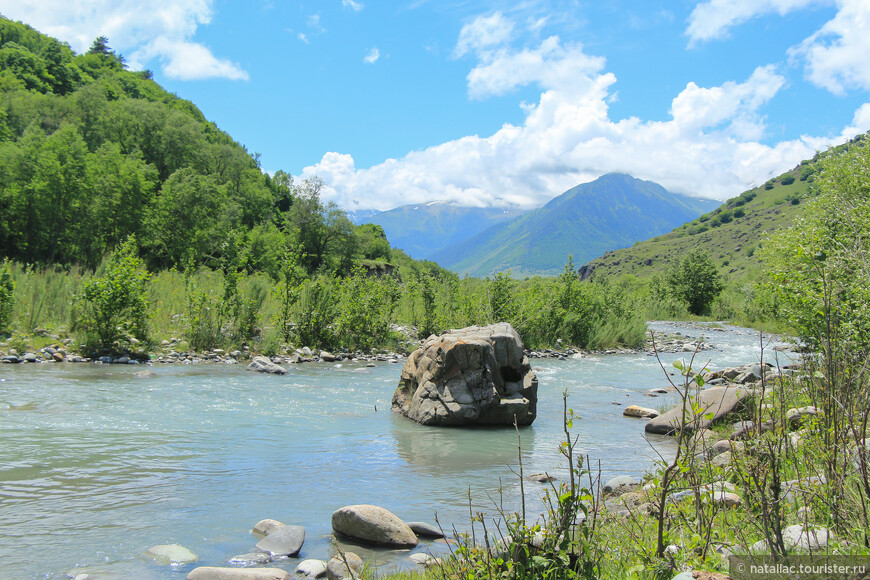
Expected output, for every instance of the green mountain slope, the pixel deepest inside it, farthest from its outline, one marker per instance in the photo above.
(730, 234)
(613, 211)
(423, 230)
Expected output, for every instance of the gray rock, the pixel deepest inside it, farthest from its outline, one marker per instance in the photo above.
(348, 566)
(639, 412)
(373, 524)
(706, 408)
(620, 484)
(541, 478)
(311, 569)
(726, 498)
(327, 356)
(251, 559)
(215, 573)
(797, 537)
(751, 375)
(171, 554)
(266, 527)
(796, 417)
(283, 542)
(29, 357)
(425, 530)
(262, 364)
(11, 359)
(472, 376)
(726, 445)
(423, 559)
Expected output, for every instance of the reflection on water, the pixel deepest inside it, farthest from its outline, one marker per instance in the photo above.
(100, 462)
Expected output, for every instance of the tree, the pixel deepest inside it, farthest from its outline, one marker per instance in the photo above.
(100, 46)
(696, 280)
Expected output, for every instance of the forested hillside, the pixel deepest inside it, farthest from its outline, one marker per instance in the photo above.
(91, 153)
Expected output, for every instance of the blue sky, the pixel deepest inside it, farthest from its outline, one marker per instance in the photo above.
(492, 103)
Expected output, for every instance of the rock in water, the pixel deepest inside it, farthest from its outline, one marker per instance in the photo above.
(171, 554)
(214, 573)
(703, 410)
(373, 524)
(285, 541)
(262, 364)
(472, 376)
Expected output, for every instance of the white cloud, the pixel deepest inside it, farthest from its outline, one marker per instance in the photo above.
(303, 37)
(712, 19)
(373, 56)
(313, 21)
(355, 6)
(142, 30)
(568, 137)
(836, 55)
(483, 33)
(551, 65)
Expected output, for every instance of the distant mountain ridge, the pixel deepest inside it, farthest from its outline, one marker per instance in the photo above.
(614, 211)
(423, 229)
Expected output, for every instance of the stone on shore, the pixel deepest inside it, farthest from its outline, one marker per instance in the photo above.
(311, 569)
(640, 412)
(374, 525)
(620, 484)
(284, 542)
(797, 537)
(472, 376)
(703, 410)
(215, 573)
(262, 364)
(349, 565)
(171, 554)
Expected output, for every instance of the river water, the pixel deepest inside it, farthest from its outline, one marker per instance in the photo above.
(97, 464)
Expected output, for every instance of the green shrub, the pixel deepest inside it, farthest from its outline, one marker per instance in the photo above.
(115, 305)
(787, 179)
(7, 286)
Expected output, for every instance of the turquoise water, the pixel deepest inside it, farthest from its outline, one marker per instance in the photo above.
(98, 464)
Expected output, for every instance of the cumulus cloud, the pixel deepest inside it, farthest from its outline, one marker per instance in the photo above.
(483, 34)
(373, 56)
(836, 55)
(568, 137)
(355, 6)
(712, 19)
(143, 30)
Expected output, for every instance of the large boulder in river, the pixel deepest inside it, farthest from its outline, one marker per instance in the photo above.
(472, 376)
(701, 411)
(374, 525)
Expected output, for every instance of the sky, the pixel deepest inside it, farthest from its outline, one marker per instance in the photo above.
(491, 103)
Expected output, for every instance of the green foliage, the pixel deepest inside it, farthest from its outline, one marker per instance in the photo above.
(817, 268)
(115, 304)
(787, 179)
(7, 299)
(366, 305)
(695, 280)
(315, 312)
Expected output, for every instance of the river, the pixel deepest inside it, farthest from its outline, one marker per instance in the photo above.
(97, 464)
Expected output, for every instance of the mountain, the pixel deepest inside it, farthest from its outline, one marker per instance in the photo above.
(730, 234)
(611, 212)
(614, 211)
(422, 230)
